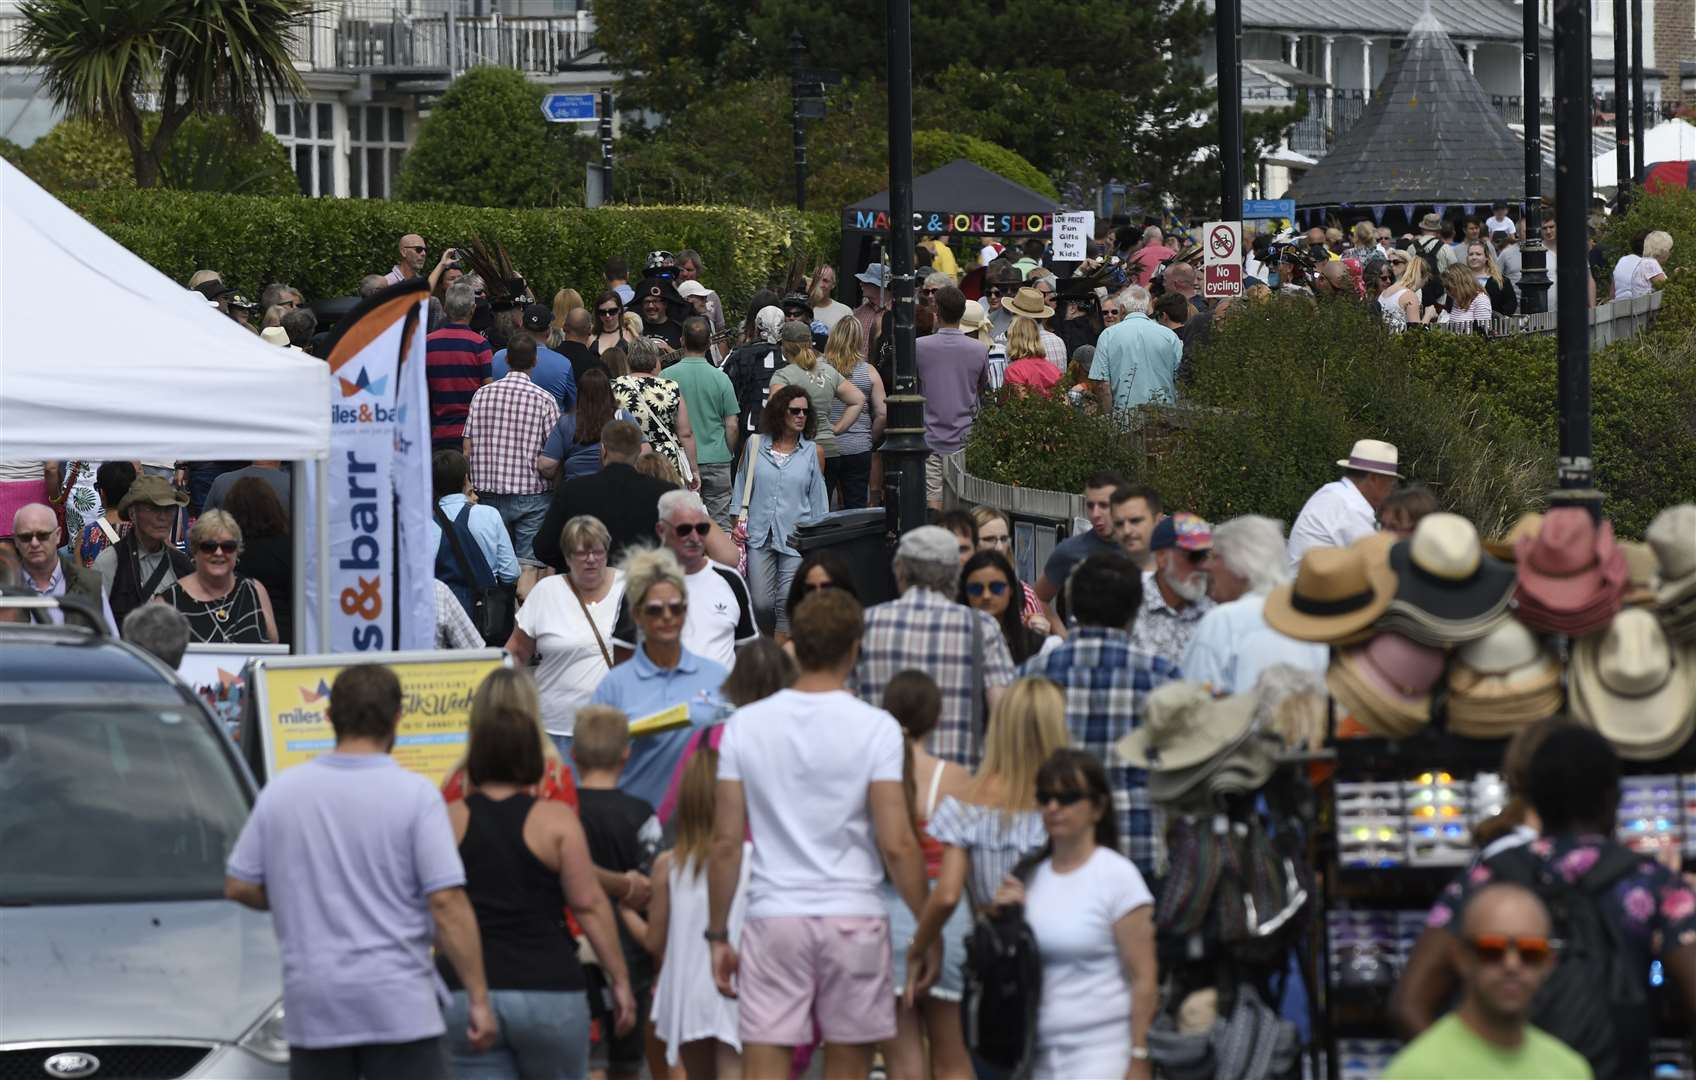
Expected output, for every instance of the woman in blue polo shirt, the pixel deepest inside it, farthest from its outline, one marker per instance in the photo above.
(662, 675)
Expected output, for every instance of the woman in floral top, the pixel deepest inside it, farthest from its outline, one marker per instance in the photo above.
(98, 523)
(1575, 790)
(658, 406)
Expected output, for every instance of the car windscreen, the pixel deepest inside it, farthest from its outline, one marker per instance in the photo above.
(113, 803)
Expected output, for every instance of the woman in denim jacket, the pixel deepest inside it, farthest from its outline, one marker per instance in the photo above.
(785, 488)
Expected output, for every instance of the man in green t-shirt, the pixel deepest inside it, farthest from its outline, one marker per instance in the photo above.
(711, 401)
(1504, 956)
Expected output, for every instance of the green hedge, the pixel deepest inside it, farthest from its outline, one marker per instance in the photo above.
(324, 246)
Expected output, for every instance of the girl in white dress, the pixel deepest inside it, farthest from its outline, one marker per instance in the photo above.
(696, 1023)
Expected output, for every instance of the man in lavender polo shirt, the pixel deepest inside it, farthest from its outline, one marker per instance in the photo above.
(356, 861)
(953, 371)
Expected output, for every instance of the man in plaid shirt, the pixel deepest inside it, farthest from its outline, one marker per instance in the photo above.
(1106, 681)
(927, 630)
(507, 424)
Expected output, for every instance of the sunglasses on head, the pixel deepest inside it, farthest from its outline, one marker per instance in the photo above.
(702, 527)
(1064, 798)
(1493, 948)
(675, 609)
(45, 537)
(228, 547)
(976, 588)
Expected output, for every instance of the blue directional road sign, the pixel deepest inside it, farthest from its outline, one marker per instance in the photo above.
(1268, 209)
(569, 108)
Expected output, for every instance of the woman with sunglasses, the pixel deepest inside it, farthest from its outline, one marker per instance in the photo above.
(781, 486)
(1093, 919)
(820, 570)
(610, 331)
(662, 681)
(995, 533)
(1401, 301)
(989, 583)
(220, 606)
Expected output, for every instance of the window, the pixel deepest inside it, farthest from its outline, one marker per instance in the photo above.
(376, 146)
(307, 131)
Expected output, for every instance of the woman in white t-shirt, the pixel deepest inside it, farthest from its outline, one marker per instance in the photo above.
(1640, 275)
(1093, 920)
(567, 621)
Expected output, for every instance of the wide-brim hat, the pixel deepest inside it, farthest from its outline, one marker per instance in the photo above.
(1568, 564)
(153, 490)
(1380, 713)
(874, 274)
(1338, 593)
(275, 335)
(1642, 572)
(1373, 456)
(1635, 686)
(1445, 573)
(974, 318)
(1509, 646)
(1431, 223)
(660, 287)
(1184, 725)
(1672, 537)
(1029, 303)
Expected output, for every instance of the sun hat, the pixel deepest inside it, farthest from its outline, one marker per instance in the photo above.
(1386, 684)
(1182, 530)
(929, 544)
(1431, 223)
(1509, 645)
(1672, 537)
(1450, 590)
(1642, 570)
(1635, 687)
(1029, 303)
(154, 491)
(1373, 456)
(275, 335)
(1337, 594)
(974, 319)
(1184, 725)
(1572, 574)
(874, 274)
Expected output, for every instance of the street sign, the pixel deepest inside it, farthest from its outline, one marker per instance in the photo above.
(1222, 260)
(1071, 235)
(569, 108)
(819, 75)
(1269, 209)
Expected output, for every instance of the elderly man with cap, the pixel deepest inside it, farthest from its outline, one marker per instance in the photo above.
(1174, 593)
(662, 310)
(553, 371)
(36, 535)
(1346, 510)
(143, 563)
(874, 291)
(958, 646)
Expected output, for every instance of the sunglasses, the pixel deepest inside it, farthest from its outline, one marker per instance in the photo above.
(928, 291)
(1493, 949)
(33, 537)
(976, 588)
(799, 412)
(410, 247)
(702, 527)
(816, 587)
(607, 312)
(1199, 557)
(228, 547)
(1112, 311)
(675, 609)
(1064, 798)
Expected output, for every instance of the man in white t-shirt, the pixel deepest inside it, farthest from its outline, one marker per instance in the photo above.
(721, 609)
(816, 774)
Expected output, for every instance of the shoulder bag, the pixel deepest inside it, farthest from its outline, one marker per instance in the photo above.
(651, 422)
(606, 654)
(740, 533)
(493, 605)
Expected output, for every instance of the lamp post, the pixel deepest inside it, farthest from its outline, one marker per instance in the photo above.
(1622, 105)
(606, 147)
(1534, 276)
(797, 52)
(1637, 132)
(1574, 467)
(1226, 34)
(904, 447)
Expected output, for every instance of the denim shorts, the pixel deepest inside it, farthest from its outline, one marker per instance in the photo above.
(951, 984)
(542, 1033)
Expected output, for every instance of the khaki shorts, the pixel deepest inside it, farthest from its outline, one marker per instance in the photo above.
(933, 475)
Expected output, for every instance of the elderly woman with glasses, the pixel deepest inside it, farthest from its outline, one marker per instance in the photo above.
(785, 488)
(665, 689)
(221, 606)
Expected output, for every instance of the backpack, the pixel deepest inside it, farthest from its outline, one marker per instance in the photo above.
(1003, 984)
(1594, 1001)
(460, 566)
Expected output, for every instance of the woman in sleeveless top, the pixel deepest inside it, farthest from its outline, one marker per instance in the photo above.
(220, 606)
(850, 471)
(913, 699)
(526, 860)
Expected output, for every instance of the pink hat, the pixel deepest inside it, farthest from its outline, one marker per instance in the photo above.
(1560, 567)
(1400, 669)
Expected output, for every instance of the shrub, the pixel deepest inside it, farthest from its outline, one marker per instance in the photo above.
(486, 143)
(324, 246)
(934, 149)
(1033, 441)
(79, 155)
(209, 153)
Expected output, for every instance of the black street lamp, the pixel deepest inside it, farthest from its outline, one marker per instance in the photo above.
(904, 447)
(1227, 32)
(1575, 470)
(1534, 276)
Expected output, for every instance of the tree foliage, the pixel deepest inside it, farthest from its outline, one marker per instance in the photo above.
(486, 143)
(99, 60)
(210, 153)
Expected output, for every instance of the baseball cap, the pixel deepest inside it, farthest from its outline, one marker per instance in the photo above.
(687, 289)
(1182, 530)
(929, 544)
(537, 317)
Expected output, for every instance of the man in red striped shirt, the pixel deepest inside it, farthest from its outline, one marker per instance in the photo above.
(457, 362)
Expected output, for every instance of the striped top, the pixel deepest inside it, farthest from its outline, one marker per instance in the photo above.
(858, 438)
(457, 361)
(994, 840)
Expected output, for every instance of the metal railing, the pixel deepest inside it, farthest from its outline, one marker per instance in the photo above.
(1609, 322)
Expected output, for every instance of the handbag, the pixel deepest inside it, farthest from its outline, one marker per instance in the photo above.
(740, 532)
(492, 605)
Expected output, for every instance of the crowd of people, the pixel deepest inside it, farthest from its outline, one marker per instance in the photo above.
(784, 821)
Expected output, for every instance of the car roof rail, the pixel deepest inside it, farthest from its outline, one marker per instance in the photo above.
(21, 605)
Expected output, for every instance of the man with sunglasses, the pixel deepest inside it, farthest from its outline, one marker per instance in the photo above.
(36, 535)
(1174, 593)
(721, 609)
(1504, 958)
(1001, 281)
(411, 261)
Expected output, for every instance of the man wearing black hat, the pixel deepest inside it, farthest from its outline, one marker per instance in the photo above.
(553, 372)
(798, 308)
(661, 308)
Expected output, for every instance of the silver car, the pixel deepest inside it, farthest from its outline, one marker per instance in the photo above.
(120, 798)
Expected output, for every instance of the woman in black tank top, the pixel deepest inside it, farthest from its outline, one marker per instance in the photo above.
(525, 861)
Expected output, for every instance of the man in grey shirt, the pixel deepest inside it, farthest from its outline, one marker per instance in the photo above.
(272, 472)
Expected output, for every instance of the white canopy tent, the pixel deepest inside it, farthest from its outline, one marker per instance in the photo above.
(103, 357)
(1670, 140)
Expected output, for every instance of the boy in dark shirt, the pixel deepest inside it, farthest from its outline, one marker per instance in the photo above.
(624, 837)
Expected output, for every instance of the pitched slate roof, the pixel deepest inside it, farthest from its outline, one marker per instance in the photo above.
(1429, 135)
(1468, 20)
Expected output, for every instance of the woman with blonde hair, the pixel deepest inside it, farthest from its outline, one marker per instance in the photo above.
(1469, 305)
(1028, 364)
(850, 471)
(221, 606)
(823, 384)
(565, 302)
(998, 822)
(1401, 302)
(1481, 261)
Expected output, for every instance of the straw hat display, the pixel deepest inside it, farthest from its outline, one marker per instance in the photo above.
(1337, 596)
(1635, 686)
(1196, 746)
(1450, 590)
(1572, 574)
(1502, 682)
(1672, 537)
(1386, 684)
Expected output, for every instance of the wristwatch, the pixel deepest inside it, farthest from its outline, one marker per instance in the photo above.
(717, 936)
(1139, 1053)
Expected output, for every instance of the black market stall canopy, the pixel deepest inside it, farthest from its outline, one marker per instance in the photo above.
(964, 199)
(1429, 138)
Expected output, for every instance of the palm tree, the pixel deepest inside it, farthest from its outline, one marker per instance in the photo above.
(101, 58)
